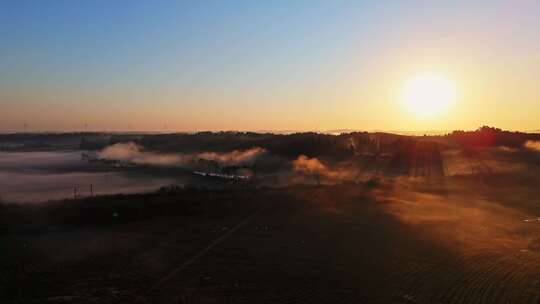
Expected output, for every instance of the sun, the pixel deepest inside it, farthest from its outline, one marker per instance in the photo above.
(428, 94)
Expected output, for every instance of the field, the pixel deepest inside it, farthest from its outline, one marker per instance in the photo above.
(448, 240)
(301, 218)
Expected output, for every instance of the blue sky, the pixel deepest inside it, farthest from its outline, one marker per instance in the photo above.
(272, 60)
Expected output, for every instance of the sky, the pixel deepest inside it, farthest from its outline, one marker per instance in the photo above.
(265, 65)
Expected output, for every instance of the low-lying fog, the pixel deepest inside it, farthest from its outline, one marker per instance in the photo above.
(129, 168)
(41, 176)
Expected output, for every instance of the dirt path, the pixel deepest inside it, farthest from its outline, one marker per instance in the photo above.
(199, 254)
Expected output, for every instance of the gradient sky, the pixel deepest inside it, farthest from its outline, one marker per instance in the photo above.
(272, 65)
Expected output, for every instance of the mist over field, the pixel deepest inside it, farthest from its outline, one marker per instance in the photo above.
(43, 176)
(208, 152)
(131, 152)
(533, 145)
(154, 161)
(193, 216)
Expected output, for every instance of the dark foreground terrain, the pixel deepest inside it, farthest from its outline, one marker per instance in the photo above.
(453, 240)
(265, 218)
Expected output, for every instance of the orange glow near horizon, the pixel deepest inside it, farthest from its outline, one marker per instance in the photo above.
(326, 66)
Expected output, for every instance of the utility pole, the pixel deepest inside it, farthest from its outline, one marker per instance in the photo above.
(91, 190)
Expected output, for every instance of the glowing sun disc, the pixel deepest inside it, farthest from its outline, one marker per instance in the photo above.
(428, 94)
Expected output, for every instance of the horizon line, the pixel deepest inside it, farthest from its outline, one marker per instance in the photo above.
(263, 131)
